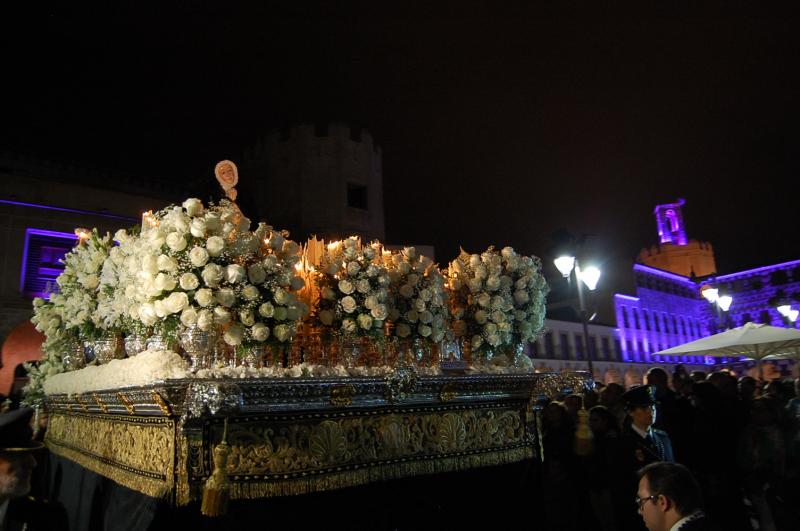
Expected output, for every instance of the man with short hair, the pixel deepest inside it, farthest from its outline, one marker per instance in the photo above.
(669, 499)
(16, 466)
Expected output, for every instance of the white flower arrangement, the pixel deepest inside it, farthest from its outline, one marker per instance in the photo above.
(482, 306)
(417, 288)
(529, 291)
(354, 290)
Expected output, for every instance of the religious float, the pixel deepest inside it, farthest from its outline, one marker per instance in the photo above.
(195, 357)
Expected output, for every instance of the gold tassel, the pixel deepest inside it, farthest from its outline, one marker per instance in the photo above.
(217, 489)
(583, 435)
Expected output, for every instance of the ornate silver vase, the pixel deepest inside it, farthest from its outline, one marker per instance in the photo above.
(107, 349)
(135, 344)
(197, 345)
(74, 358)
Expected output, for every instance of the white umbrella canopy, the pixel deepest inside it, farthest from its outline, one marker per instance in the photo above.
(754, 341)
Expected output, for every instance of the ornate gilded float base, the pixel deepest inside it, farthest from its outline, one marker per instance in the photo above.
(298, 454)
(137, 452)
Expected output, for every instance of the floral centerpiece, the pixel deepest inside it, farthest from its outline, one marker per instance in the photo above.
(482, 300)
(354, 291)
(420, 310)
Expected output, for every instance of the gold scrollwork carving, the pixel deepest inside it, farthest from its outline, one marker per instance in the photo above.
(342, 395)
(160, 402)
(449, 392)
(80, 402)
(129, 407)
(103, 407)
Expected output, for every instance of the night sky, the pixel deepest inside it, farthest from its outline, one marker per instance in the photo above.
(496, 128)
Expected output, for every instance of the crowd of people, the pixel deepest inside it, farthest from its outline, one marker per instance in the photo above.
(738, 439)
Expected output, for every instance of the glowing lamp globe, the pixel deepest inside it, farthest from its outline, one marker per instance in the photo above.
(711, 294)
(725, 302)
(590, 276)
(564, 264)
(784, 309)
(793, 315)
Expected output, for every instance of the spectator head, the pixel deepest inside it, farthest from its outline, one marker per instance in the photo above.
(16, 453)
(573, 403)
(611, 394)
(764, 412)
(602, 421)
(726, 384)
(667, 493)
(658, 378)
(640, 402)
(698, 376)
(747, 388)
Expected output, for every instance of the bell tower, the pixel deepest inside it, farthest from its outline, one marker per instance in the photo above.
(674, 252)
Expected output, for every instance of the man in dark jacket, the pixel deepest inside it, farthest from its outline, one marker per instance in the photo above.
(669, 499)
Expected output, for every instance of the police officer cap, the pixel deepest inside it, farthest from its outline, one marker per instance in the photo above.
(639, 396)
(15, 431)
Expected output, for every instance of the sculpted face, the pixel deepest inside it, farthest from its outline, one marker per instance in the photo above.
(15, 474)
(227, 174)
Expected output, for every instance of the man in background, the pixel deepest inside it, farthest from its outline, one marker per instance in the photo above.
(669, 499)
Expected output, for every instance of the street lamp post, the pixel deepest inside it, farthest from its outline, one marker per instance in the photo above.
(721, 303)
(589, 276)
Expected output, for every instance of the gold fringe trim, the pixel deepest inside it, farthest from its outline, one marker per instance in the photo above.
(183, 492)
(151, 487)
(370, 474)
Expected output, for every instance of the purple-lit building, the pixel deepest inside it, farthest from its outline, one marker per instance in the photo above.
(668, 308)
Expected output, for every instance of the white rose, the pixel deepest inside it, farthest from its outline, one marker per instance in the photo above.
(353, 268)
(121, 236)
(215, 245)
(370, 302)
(256, 274)
(477, 341)
(372, 271)
(474, 284)
(365, 321)
(250, 292)
(474, 260)
(297, 283)
(176, 241)
(407, 291)
(346, 287)
(403, 330)
(221, 315)
(404, 268)
(225, 297)
(521, 297)
(369, 253)
(412, 316)
(281, 313)
(481, 317)
(189, 316)
(266, 310)
(413, 279)
(233, 335)
(332, 268)
(493, 283)
(348, 304)
(164, 282)
(189, 281)
(394, 314)
(212, 274)
(425, 294)
(420, 305)
(283, 333)
(293, 313)
(90, 281)
(326, 317)
(490, 328)
(328, 294)
(204, 296)
(247, 318)
(147, 314)
(234, 273)
(198, 256)
(508, 252)
(193, 206)
(150, 265)
(425, 317)
(176, 302)
(363, 286)
(198, 227)
(409, 252)
(349, 326)
(379, 312)
(498, 316)
(205, 320)
(166, 263)
(260, 332)
(276, 240)
(282, 296)
(424, 330)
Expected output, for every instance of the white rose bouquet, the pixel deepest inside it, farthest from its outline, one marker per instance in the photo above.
(47, 319)
(78, 287)
(354, 290)
(417, 288)
(482, 301)
(529, 291)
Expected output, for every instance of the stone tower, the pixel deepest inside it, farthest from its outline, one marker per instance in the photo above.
(324, 180)
(674, 252)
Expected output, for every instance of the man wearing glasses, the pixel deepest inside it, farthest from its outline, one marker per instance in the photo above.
(669, 499)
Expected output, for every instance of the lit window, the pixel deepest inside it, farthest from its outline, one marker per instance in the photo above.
(41, 259)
